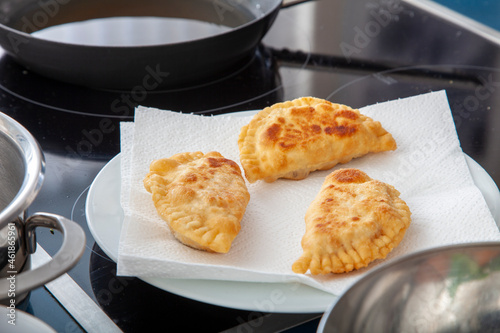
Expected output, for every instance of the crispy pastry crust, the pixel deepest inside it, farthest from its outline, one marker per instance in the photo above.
(353, 221)
(294, 138)
(202, 197)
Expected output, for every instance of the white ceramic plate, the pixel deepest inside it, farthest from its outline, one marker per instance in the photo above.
(105, 217)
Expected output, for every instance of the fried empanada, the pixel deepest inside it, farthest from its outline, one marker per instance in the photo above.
(352, 221)
(202, 198)
(294, 138)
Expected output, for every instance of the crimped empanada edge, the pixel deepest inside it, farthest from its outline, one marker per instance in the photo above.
(309, 261)
(193, 238)
(247, 143)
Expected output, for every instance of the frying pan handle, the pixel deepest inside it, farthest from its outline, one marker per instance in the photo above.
(66, 258)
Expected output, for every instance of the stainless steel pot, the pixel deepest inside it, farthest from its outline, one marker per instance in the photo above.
(448, 289)
(22, 169)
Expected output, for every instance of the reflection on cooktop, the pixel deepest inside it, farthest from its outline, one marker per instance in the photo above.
(255, 82)
(129, 302)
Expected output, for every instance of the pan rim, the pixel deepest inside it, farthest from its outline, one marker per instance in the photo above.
(29, 37)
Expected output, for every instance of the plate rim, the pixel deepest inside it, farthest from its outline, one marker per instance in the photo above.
(294, 293)
(321, 299)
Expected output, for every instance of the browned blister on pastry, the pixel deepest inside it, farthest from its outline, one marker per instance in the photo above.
(353, 221)
(202, 197)
(294, 138)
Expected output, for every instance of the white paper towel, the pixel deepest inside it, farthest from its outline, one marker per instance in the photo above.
(428, 168)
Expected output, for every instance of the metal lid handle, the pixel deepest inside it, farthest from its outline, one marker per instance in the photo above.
(66, 258)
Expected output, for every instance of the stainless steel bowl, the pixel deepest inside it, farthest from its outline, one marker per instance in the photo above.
(448, 289)
(22, 169)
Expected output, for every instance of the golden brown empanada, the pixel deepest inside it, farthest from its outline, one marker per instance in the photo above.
(294, 138)
(201, 197)
(352, 221)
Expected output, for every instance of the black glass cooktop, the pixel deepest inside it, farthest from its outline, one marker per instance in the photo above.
(355, 53)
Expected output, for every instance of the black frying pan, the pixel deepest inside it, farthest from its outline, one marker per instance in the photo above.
(128, 67)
